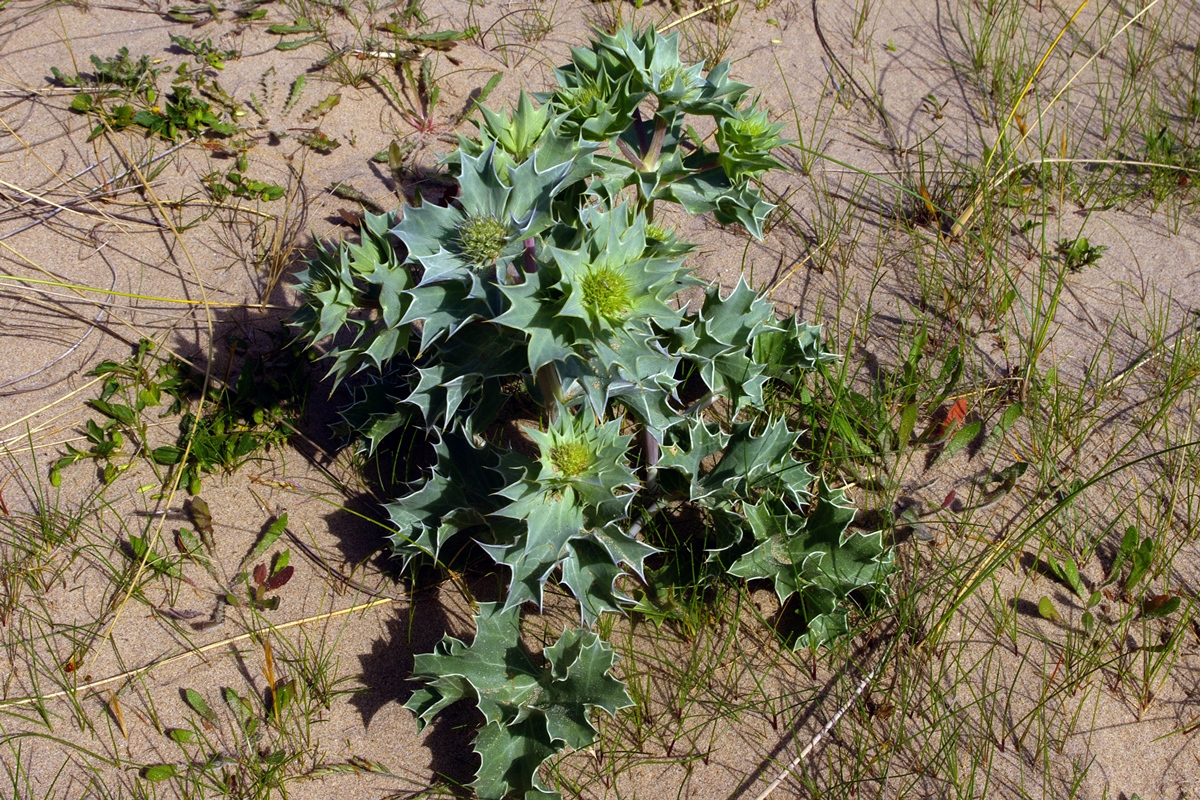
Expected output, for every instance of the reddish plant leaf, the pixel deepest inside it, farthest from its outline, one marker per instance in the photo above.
(260, 574)
(1160, 605)
(280, 578)
(954, 417)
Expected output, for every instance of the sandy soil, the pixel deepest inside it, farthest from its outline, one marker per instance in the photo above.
(54, 226)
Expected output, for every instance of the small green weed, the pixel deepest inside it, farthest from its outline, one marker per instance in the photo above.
(123, 93)
(205, 52)
(1078, 253)
(240, 418)
(235, 183)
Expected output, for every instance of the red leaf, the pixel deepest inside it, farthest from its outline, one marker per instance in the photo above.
(280, 578)
(1155, 602)
(260, 574)
(957, 412)
(954, 416)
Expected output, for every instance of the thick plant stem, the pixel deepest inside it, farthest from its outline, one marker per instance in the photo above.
(551, 388)
(653, 452)
(530, 262)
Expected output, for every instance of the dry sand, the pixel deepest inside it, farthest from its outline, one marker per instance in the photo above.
(50, 339)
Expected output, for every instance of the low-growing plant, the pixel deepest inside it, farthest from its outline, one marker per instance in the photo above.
(241, 417)
(1078, 253)
(123, 93)
(535, 331)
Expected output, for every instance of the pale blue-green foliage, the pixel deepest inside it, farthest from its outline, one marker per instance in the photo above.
(609, 282)
(815, 556)
(437, 237)
(580, 482)
(654, 66)
(596, 102)
(547, 281)
(530, 712)
(745, 141)
(600, 91)
(342, 284)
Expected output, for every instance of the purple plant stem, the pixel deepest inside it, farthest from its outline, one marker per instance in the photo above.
(530, 262)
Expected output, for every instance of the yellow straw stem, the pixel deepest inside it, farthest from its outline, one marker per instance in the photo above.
(148, 298)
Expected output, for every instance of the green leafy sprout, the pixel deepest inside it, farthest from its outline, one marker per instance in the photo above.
(550, 284)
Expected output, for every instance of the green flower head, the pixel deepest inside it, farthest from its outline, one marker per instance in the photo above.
(482, 239)
(495, 216)
(617, 274)
(575, 452)
(594, 104)
(745, 141)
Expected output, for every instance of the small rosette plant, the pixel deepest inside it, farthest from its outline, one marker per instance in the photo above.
(534, 331)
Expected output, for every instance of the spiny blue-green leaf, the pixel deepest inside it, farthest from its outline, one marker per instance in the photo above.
(529, 133)
(516, 134)
(535, 309)
(790, 349)
(427, 518)
(581, 467)
(684, 451)
(654, 61)
(494, 670)
(823, 617)
(530, 713)
(455, 496)
(735, 320)
(745, 140)
(377, 409)
(458, 370)
(328, 287)
(756, 459)
(622, 548)
(860, 560)
(579, 663)
(718, 95)
(744, 206)
(727, 536)
(648, 405)
(814, 555)
(489, 230)
(589, 572)
(551, 520)
(510, 756)
(635, 368)
(555, 165)
(430, 233)
(594, 103)
(705, 187)
(720, 342)
(739, 378)
(631, 366)
(442, 309)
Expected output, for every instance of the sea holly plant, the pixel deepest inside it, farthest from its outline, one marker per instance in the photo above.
(534, 331)
(530, 711)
